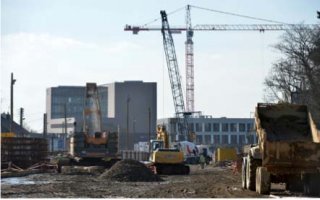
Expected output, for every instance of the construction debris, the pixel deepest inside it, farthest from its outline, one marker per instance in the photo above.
(12, 170)
(224, 164)
(130, 171)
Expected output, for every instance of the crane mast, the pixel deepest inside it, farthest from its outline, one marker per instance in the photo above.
(189, 63)
(174, 75)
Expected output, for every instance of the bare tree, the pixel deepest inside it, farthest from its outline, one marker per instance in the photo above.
(295, 77)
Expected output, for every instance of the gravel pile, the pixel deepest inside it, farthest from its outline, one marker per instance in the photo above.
(129, 171)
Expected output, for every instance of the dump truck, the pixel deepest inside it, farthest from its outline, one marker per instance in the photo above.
(94, 145)
(288, 150)
(166, 160)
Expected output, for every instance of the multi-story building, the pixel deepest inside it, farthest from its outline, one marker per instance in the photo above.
(65, 103)
(216, 132)
(125, 107)
(129, 104)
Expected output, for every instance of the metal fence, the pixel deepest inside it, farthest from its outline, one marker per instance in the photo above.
(135, 155)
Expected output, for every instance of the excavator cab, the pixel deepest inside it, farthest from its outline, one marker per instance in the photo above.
(156, 144)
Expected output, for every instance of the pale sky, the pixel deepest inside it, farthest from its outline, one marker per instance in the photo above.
(47, 43)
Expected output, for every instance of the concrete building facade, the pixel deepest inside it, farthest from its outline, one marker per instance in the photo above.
(125, 108)
(129, 104)
(216, 132)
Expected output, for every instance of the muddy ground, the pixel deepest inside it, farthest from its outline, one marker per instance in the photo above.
(210, 182)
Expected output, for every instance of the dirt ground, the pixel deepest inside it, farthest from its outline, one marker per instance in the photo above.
(210, 182)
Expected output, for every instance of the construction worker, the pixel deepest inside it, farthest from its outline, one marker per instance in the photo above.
(202, 161)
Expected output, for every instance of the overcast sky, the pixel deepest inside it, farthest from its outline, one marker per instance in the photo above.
(47, 43)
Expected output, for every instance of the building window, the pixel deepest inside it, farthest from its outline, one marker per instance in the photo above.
(242, 139)
(216, 139)
(207, 139)
(216, 127)
(233, 139)
(233, 127)
(225, 139)
(225, 127)
(199, 139)
(242, 127)
(250, 139)
(249, 127)
(174, 127)
(207, 127)
(190, 125)
(172, 138)
(198, 127)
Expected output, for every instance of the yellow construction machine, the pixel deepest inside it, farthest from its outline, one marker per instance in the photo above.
(166, 160)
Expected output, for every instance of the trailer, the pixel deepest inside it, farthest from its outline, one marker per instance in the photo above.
(288, 150)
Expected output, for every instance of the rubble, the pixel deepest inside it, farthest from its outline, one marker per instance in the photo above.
(130, 171)
(9, 169)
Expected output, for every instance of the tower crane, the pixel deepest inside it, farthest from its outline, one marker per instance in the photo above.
(181, 111)
(189, 29)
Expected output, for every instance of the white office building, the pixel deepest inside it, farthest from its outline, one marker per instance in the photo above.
(216, 132)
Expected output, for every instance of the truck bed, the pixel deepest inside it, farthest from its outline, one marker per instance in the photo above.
(284, 123)
(288, 137)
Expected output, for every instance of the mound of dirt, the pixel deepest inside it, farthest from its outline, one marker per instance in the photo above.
(129, 171)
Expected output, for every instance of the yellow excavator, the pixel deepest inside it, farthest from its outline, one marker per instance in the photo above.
(166, 160)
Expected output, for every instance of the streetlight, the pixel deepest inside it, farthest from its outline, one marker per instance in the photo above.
(127, 139)
(134, 130)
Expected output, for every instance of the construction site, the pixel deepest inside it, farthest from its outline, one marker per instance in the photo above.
(108, 141)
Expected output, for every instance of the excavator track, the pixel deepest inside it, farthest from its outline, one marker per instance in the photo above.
(171, 169)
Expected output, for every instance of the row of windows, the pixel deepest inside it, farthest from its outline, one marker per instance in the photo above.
(220, 127)
(224, 139)
(67, 100)
(69, 125)
(72, 109)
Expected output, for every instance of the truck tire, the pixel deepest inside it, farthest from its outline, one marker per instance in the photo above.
(243, 173)
(252, 165)
(262, 180)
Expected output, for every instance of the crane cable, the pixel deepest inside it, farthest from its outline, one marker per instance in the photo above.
(217, 11)
(173, 12)
(238, 15)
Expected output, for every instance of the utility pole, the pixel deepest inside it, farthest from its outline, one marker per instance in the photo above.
(118, 130)
(45, 125)
(127, 139)
(133, 131)
(149, 122)
(21, 116)
(65, 118)
(11, 101)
